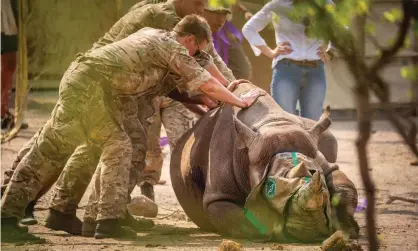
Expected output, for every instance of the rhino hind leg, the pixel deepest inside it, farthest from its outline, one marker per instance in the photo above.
(327, 143)
(328, 146)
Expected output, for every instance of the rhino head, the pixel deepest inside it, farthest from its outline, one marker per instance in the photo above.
(274, 137)
(308, 212)
(292, 186)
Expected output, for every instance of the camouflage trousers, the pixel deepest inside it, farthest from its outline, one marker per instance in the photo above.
(77, 173)
(177, 120)
(81, 118)
(71, 183)
(137, 112)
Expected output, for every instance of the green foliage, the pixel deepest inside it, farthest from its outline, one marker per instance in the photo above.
(329, 22)
(217, 3)
(335, 200)
(415, 27)
(393, 15)
(410, 73)
(370, 29)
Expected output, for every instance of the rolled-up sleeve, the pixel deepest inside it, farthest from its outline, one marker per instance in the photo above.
(256, 24)
(203, 59)
(189, 69)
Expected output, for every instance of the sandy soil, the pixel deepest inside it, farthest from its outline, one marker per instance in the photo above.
(391, 171)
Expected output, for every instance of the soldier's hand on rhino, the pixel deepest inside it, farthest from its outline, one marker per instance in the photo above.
(251, 96)
(210, 103)
(282, 48)
(231, 87)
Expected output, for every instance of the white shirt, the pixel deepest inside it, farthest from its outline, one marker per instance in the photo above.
(304, 48)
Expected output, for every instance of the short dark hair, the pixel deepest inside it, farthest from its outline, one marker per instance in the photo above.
(196, 26)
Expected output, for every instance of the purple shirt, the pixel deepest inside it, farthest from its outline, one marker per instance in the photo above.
(221, 41)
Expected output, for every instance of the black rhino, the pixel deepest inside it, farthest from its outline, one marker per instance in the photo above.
(263, 173)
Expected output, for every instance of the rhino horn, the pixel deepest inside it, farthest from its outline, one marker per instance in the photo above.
(323, 123)
(315, 184)
(245, 133)
(314, 198)
(299, 171)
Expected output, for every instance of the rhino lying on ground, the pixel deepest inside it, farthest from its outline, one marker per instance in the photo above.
(263, 173)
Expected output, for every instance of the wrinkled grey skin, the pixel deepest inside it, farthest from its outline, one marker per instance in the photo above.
(216, 164)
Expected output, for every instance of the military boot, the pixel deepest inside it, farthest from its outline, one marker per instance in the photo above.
(29, 218)
(12, 232)
(112, 228)
(137, 224)
(64, 222)
(148, 190)
(89, 227)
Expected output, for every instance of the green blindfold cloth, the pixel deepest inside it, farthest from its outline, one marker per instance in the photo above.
(268, 203)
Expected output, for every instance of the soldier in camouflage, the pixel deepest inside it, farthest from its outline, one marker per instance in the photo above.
(164, 16)
(79, 168)
(177, 120)
(70, 187)
(89, 111)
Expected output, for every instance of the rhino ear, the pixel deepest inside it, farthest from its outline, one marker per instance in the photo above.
(245, 135)
(323, 123)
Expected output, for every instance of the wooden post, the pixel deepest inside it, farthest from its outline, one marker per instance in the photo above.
(414, 83)
(22, 86)
(22, 68)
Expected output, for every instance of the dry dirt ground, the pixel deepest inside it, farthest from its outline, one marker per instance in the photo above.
(391, 170)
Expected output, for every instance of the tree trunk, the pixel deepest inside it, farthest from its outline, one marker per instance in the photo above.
(415, 64)
(362, 100)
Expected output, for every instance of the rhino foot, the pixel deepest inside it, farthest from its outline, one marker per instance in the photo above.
(351, 228)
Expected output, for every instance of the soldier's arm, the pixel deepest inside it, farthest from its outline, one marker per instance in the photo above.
(220, 64)
(197, 78)
(207, 62)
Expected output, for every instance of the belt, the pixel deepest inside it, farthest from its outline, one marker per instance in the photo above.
(305, 63)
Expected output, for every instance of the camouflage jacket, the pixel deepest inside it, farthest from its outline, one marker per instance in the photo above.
(138, 64)
(160, 16)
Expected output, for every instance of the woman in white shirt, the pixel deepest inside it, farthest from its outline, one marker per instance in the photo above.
(298, 61)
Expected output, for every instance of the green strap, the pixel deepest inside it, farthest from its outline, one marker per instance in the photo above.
(256, 223)
(295, 159)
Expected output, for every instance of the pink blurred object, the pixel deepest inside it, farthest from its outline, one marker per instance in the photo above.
(163, 141)
(361, 205)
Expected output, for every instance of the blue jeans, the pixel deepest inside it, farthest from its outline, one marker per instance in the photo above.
(291, 83)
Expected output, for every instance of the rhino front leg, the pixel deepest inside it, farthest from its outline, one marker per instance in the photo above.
(229, 219)
(345, 201)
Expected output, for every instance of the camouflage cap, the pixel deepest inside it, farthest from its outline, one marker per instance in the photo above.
(220, 8)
